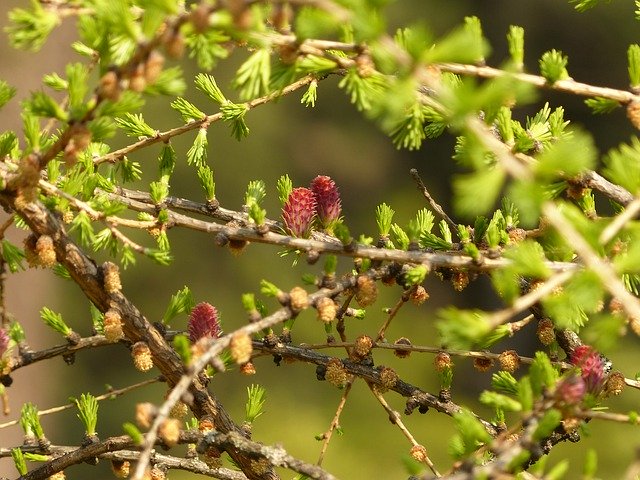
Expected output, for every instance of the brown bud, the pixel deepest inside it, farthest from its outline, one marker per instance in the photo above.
(142, 358)
(615, 306)
(111, 275)
(298, 299)
(169, 431)
(571, 424)
(212, 458)
(367, 292)
(634, 323)
(442, 362)
(112, 324)
(46, 251)
(200, 17)
(120, 468)
(206, 425)
(509, 360)
(460, 280)
(137, 81)
(179, 410)
(153, 66)
(30, 253)
(174, 44)
(67, 217)
(419, 453)
(546, 332)
(327, 309)
(517, 235)
(362, 345)
(109, 86)
(81, 135)
(260, 466)
(633, 113)
(400, 353)
(248, 368)
(79, 139)
(615, 384)
(236, 247)
(482, 364)
(336, 373)
(419, 295)
(156, 473)
(388, 378)
(365, 66)
(240, 347)
(288, 53)
(145, 414)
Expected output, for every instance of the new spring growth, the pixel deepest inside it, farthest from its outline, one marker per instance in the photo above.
(19, 461)
(111, 276)
(30, 421)
(257, 396)
(88, 412)
(256, 191)
(249, 304)
(55, 321)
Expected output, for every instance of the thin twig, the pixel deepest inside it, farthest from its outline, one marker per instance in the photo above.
(620, 221)
(609, 416)
(335, 422)
(105, 396)
(391, 315)
(427, 349)
(529, 299)
(568, 85)
(454, 260)
(435, 205)
(209, 119)
(215, 348)
(414, 394)
(396, 419)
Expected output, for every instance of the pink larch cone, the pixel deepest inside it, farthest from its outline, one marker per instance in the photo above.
(299, 212)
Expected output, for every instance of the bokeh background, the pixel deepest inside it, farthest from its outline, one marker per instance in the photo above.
(335, 140)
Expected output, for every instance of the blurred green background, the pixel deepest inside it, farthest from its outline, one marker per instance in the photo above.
(332, 139)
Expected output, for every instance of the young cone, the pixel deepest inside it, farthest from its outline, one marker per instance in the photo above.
(329, 205)
(299, 211)
(203, 322)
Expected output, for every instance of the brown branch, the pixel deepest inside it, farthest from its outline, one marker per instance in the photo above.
(215, 347)
(209, 119)
(335, 421)
(169, 462)
(454, 259)
(415, 396)
(105, 396)
(275, 455)
(568, 85)
(78, 455)
(89, 278)
(27, 358)
(396, 419)
(435, 205)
